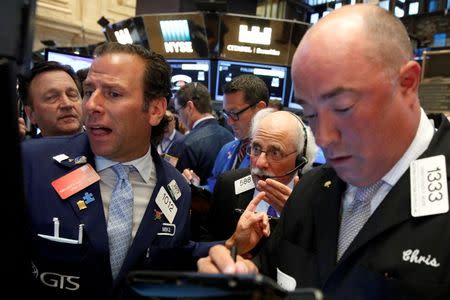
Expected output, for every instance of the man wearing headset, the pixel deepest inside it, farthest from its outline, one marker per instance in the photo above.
(281, 147)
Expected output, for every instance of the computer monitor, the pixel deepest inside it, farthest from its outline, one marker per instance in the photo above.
(189, 70)
(74, 60)
(436, 64)
(274, 76)
(291, 102)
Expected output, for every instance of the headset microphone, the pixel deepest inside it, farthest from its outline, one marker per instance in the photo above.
(300, 164)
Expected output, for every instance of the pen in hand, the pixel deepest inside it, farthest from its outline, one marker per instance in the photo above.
(240, 211)
(233, 253)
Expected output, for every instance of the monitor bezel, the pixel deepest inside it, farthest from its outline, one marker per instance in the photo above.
(252, 64)
(48, 51)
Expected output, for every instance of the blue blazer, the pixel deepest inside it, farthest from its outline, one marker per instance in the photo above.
(74, 271)
(224, 162)
(201, 147)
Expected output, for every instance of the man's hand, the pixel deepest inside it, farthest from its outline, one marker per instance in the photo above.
(191, 177)
(22, 128)
(219, 261)
(277, 193)
(250, 228)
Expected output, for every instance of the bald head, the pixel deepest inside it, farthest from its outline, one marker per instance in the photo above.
(358, 86)
(364, 30)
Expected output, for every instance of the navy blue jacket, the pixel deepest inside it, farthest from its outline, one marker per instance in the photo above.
(202, 144)
(82, 271)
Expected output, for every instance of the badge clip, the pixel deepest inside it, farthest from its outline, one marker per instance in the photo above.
(56, 238)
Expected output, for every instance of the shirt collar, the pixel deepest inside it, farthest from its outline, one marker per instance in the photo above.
(419, 144)
(143, 164)
(202, 119)
(171, 136)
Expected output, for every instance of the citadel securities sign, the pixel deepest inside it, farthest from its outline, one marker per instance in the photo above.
(254, 36)
(253, 39)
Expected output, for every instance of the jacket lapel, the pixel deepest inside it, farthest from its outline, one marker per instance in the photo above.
(92, 216)
(396, 206)
(328, 201)
(394, 210)
(149, 226)
(243, 199)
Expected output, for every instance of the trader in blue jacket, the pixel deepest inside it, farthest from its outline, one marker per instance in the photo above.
(70, 186)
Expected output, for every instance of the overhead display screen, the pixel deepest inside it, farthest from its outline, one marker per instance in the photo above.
(273, 76)
(76, 61)
(254, 39)
(193, 70)
(181, 35)
(129, 31)
(298, 31)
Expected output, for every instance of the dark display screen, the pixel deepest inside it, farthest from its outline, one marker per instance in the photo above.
(181, 35)
(436, 64)
(185, 71)
(254, 39)
(292, 103)
(273, 76)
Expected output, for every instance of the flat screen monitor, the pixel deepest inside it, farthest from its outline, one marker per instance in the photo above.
(190, 70)
(436, 64)
(76, 61)
(292, 103)
(274, 76)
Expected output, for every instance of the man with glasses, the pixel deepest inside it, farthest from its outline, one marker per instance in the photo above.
(280, 145)
(244, 96)
(202, 144)
(206, 137)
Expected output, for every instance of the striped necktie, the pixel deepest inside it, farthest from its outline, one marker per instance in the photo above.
(120, 221)
(355, 216)
(241, 153)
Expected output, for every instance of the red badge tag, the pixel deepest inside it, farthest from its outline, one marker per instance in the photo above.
(75, 181)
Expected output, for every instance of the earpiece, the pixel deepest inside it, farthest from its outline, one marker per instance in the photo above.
(301, 158)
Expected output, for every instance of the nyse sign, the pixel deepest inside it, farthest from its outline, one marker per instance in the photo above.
(178, 47)
(176, 36)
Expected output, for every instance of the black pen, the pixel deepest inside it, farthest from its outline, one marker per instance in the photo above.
(233, 253)
(241, 211)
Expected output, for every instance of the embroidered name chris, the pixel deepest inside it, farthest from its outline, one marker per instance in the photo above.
(415, 257)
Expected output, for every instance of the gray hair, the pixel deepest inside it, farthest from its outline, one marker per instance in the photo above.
(311, 147)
